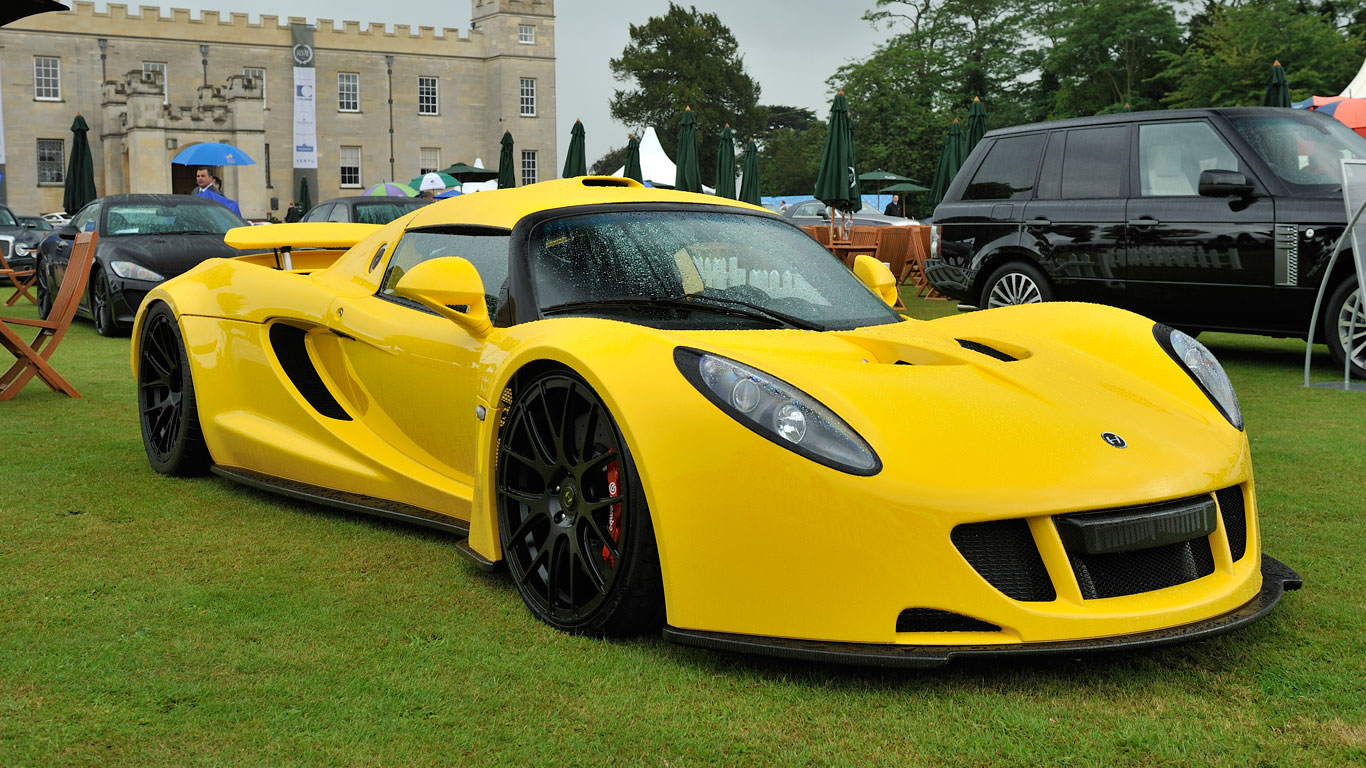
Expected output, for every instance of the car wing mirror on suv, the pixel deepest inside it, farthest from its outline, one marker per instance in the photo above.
(1224, 184)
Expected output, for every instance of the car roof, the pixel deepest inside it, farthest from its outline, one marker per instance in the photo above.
(1121, 118)
(505, 207)
(157, 199)
(373, 199)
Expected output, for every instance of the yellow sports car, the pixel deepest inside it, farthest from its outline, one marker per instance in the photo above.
(660, 408)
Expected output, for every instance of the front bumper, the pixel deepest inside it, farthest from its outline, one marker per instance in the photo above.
(1277, 578)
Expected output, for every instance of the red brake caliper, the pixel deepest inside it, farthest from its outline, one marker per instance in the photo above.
(613, 514)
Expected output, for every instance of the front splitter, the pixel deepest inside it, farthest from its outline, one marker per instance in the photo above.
(1277, 578)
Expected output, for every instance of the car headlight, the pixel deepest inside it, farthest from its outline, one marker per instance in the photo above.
(778, 411)
(129, 270)
(22, 249)
(1203, 368)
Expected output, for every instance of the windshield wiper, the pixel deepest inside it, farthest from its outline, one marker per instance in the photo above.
(736, 308)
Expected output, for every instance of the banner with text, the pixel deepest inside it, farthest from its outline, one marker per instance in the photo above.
(305, 93)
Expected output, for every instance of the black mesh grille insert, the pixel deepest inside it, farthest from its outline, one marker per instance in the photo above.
(292, 353)
(1129, 573)
(1004, 553)
(977, 346)
(934, 620)
(1235, 519)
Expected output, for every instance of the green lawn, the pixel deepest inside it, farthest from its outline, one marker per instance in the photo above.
(146, 621)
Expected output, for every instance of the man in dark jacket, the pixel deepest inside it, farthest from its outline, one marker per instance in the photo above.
(894, 207)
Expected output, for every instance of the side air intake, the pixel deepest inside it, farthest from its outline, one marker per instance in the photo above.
(292, 352)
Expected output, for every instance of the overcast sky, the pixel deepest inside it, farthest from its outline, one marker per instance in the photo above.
(790, 46)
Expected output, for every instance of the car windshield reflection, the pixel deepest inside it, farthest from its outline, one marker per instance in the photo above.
(169, 219)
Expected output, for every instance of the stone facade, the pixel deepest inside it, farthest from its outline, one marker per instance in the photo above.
(135, 130)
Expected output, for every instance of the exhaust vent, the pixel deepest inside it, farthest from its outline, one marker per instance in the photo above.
(292, 352)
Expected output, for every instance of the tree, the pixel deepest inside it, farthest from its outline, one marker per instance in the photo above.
(609, 163)
(789, 160)
(686, 58)
(1104, 54)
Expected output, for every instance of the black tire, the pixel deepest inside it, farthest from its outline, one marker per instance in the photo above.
(582, 554)
(1343, 303)
(101, 306)
(42, 290)
(1015, 282)
(166, 402)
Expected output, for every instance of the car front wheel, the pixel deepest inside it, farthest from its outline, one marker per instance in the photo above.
(1346, 326)
(1016, 282)
(101, 305)
(572, 517)
(166, 402)
(42, 290)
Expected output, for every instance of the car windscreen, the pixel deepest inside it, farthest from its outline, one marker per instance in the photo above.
(7, 218)
(169, 219)
(695, 270)
(1302, 150)
(384, 212)
(36, 222)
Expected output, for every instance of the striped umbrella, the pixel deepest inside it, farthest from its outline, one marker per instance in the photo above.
(391, 189)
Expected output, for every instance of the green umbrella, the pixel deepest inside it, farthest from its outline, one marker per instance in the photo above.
(632, 169)
(906, 188)
(446, 178)
(749, 184)
(1277, 87)
(507, 174)
(80, 172)
(687, 176)
(575, 164)
(950, 160)
(305, 199)
(881, 177)
(837, 181)
(467, 173)
(977, 126)
(725, 164)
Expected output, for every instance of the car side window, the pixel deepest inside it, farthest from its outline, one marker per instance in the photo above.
(340, 213)
(486, 249)
(810, 209)
(85, 219)
(1093, 162)
(318, 214)
(1007, 172)
(1172, 155)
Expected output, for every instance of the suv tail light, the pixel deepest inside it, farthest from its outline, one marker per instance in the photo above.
(934, 241)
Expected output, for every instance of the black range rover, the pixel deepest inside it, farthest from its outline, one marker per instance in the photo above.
(1204, 219)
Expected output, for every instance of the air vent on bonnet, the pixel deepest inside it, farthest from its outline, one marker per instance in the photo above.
(609, 181)
(977, 346)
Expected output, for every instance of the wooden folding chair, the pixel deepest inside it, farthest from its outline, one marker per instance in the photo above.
(915, 265)
(33, 358)
(21, 279)
(862, 240)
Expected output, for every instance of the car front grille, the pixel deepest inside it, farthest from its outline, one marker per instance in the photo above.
(1004, 553)
(1129, 573)
(1235, 519)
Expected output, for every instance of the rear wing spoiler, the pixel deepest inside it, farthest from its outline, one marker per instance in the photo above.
(321, 242)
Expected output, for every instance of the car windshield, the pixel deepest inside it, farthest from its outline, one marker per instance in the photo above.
(35, 222)
(169, 219)
(695, 270)
(385, 212)
(1304, 151)
(7, 218)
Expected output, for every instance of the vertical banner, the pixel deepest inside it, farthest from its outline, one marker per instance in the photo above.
(2, 118)
(305, 97)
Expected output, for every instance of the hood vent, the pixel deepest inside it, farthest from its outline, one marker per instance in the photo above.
(977, 346)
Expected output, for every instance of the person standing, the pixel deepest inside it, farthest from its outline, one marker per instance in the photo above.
(293, 214)
(894, 207)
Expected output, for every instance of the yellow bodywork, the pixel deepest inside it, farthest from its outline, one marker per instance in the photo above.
(753, 539)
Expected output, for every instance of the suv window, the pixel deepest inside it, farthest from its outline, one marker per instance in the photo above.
(1007, 172)
(1093, 163)
(1172, 155)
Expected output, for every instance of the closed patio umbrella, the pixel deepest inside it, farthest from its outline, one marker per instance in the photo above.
(977, 126)
(1277, 87)
(575, 160)
(80, 171)
(950, 160)
(837, 180)
(687, 176)
(632, 169)
(749, 183)
(17, 9)
(507, 168)
(725, 164)
(305, 199)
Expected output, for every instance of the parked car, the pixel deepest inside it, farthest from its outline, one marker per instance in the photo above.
(36, 222)
(1204, 219)
(144, 239)
(364, 209)
(57, 218)
(813, 212)
(18, 241)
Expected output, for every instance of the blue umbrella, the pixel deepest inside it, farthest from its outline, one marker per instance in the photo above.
(212, 153)
(224, 199)
(448, 193)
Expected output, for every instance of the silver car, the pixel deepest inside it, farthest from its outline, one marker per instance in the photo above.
(813, 212)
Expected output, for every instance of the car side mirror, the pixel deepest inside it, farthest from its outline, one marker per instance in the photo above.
(1218, 183)
(824, 215)
(451, 287)
(67, 232)
(877, 277)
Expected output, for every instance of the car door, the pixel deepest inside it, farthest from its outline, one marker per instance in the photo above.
(810, 213)
(419, 373)
(1075, 223)
(1196, 261)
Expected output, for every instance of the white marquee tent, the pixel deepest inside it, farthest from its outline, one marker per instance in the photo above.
(655, 167)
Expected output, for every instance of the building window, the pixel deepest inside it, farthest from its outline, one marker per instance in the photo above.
(426, 96)
(528, 167)
(528, 97)
(257, 76)
(158, 66)
(429, 160)
(47, 78)
(51, 161)
(526, 34)
(267, 167)
(350, 166)
(348, 92)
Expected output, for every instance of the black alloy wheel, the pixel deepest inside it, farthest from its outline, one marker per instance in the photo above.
(169, 415)
(101, 307)
(1016, 282)
(42, 290)
(575, 529)
(1345, 326)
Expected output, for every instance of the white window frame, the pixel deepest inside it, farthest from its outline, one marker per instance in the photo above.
(60, 162)
(530, 173)
(423, 157)
(47, 78)
(526, 34)
(435, 94)
(343, 166)
(160, 66)
(345, 79)
(527, 97)
(252, 72)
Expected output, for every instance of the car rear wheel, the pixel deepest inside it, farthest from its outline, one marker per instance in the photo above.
(42, 291)
(1016, 282)
(1346, 326)
(169, 414)
(572, 517)
(101, 306)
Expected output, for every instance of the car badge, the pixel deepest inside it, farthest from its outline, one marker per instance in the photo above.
(1113, 440)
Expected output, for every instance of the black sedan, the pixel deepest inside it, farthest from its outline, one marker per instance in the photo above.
(364, 209)
(144, 239)
(18, 242)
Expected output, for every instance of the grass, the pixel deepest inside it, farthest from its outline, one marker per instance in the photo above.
(150, 621)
